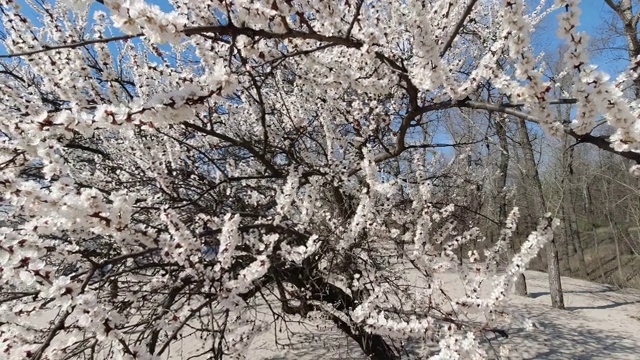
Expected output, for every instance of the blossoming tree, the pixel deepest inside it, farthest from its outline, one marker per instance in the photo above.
(167, 172)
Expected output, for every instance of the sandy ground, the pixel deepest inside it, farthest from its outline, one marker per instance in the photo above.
(598, 323)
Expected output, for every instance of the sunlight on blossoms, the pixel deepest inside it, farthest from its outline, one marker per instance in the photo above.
(232, 179)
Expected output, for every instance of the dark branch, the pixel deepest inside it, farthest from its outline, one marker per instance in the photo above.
(456, 30)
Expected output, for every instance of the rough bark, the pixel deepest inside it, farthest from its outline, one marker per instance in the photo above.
(538, 205)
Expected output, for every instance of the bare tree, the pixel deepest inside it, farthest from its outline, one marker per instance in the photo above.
(538, 204)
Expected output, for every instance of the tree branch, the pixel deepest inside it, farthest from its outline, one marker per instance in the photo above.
(47, 48)
(456, 30)
(267, 164)
(600, 141)
(228, 29)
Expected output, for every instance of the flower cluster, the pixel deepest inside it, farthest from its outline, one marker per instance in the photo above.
(168, 175)
(595, 93)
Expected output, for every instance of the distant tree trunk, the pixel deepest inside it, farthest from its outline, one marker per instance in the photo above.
(568, 209)
(592, 218)
(614, 232)
(595, 239)
(582, 264)
(538, 206)
(520, 286)
(566, 262)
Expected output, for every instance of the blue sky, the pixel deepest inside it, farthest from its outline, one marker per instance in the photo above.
(594, 14)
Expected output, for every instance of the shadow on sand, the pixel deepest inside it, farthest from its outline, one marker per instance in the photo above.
(561, 336)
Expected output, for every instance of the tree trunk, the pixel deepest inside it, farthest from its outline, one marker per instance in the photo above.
(566, 262)
(592, 218)
(614, 232)
(565, 172)
(582, 264)
(538, 206)
(520, 286)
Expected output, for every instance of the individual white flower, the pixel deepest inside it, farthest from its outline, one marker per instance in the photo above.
(634, 170)
(27, 277)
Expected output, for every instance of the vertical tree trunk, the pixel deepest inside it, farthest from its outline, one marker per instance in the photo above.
(582, 264)
(566, 262)
(597, 251)
(592, 219)
(569, 211)
(539, 206)
(614, 232)
(520, 286)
